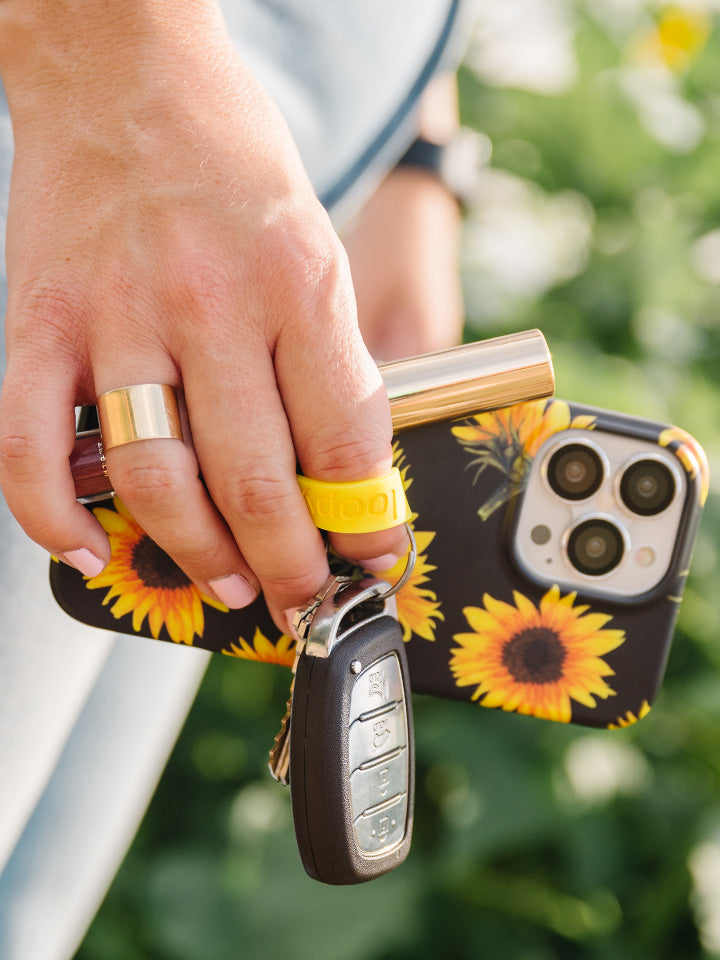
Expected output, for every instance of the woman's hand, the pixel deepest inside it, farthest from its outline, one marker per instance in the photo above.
(162, 229)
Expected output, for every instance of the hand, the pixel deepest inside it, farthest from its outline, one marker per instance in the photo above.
(162, 229)
(403, 251)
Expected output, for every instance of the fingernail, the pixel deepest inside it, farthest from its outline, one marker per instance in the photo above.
(234, 591)
(381, 564)
(85, 561)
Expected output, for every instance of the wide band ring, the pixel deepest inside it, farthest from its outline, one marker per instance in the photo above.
(144, 411)
(357, 506)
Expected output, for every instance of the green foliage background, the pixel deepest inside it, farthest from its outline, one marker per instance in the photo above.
(513, 855)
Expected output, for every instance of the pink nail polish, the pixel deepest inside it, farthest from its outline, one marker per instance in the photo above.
(381, 564)
(234, 591)
(85, 561)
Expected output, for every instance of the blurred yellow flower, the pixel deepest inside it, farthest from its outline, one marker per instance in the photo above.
(677, 37)
(263, 650)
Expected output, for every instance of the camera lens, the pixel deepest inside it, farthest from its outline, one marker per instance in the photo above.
(595, 547)
(575, 471)
(647, 487)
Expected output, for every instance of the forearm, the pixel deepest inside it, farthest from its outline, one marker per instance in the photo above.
(439, 118)
(85, 56)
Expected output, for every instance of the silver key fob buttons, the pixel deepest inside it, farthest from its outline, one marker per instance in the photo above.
(351, 755)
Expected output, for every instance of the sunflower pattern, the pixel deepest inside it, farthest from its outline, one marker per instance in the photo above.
(691, 455)
(535, 660)
(145, 582)
(523, 647)
(508, 440)
(630, 718)
(417, 605)
(263, 650)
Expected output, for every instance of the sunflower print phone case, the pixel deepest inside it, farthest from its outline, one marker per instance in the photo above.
(478, 627)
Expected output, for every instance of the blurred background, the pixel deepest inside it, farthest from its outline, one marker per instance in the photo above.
(594, 214)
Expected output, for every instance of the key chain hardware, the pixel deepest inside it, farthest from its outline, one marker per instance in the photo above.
(341, 604)
(409, 566)
(319, 623)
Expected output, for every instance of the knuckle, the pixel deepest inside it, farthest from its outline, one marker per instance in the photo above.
(253, 497)
(206, 559)
(53, 309)
(22, 455)
(311, 268)
(356, 455)
(294, 587)
(146, 484)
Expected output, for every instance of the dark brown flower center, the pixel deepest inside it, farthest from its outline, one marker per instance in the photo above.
(535, 655)
(155, 568)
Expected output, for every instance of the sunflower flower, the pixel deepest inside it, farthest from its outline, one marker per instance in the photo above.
(629, 719)
(508, 439)
(691, 455)
(675, 39)
(146, 582)
(417, 606)
(263, 650)
(535, 660)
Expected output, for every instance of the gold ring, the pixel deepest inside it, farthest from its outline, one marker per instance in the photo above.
(145, 411)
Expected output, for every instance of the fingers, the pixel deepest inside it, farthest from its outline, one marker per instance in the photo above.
(337, 407)
(158, 482)
(295, 384)
(37, 432)
(260, 396)
(244, 444)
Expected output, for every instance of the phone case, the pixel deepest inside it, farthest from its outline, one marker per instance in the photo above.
(476, 627)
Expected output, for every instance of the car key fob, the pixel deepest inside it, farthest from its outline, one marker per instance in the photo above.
(351, 738)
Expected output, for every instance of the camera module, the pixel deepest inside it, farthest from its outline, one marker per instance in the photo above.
(595, 547)
(647, 487)
(575, 471)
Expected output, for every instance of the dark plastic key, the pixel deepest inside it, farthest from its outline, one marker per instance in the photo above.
(351, 742)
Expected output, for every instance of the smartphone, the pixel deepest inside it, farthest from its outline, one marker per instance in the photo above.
(553, 544)
(556, 541)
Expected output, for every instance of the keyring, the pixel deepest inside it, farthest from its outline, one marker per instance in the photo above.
(409, 567)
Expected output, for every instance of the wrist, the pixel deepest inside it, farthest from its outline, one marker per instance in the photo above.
(431, 159)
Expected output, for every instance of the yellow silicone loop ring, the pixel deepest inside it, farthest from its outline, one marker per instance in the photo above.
(357, 506)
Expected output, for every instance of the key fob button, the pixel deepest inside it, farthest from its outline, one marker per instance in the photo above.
(378, 685)
(351, 754)
(374, 783)
(377, 733)
(381, 828)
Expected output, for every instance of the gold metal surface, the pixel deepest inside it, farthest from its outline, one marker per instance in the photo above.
(476, 376)
(145, 411)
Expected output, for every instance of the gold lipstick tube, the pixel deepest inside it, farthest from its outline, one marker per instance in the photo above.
(445, 385)
(468, 379)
